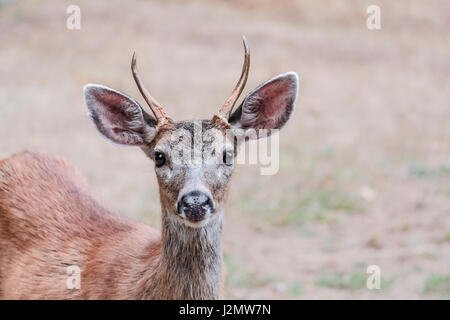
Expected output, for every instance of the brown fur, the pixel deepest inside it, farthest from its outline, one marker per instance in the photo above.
(49, 220)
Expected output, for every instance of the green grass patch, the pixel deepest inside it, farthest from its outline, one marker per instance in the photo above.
(238, 275)
(421, 171)
(353, 280)
(430, 255)
(446, 237)
(438, 284)
(341, 280)
(318, 205)
(295, 290)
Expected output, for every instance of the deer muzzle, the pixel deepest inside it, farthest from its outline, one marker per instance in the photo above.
(195, 205)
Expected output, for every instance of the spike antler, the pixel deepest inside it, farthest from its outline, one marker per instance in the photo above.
(156, 108)
(227, 107)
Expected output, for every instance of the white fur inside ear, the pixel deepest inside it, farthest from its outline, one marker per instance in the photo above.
(270, 105)
(117, 116)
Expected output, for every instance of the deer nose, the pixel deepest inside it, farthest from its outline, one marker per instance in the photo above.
(195, 205)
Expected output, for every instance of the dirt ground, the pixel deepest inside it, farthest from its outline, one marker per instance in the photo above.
(364, 173)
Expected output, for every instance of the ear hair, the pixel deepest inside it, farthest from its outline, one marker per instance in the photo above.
(269, 106)
(118, 117)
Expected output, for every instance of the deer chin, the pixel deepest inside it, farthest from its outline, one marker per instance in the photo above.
(204, 222)
(197, 224)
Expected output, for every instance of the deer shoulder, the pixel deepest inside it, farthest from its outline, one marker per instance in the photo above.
(48, 214)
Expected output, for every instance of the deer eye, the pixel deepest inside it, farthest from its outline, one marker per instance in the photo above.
(160, 159)
(228, 158)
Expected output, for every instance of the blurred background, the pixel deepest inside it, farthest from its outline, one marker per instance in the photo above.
(364, 173)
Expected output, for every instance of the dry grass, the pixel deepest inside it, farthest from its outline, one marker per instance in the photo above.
(364, 161)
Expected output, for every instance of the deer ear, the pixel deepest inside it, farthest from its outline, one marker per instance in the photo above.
(118, 117)
(269, 106)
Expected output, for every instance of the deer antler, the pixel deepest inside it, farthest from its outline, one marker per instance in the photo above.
(227, 107)
(156, 108)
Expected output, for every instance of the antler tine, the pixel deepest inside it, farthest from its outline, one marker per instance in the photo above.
(156, 108)
(227, 107)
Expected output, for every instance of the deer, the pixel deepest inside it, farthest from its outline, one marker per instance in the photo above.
(50, 220)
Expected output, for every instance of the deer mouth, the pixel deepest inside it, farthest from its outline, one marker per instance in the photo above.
(195, 223)
(195, 219)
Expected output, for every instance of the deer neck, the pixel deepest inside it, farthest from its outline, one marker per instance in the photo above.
(190, 263)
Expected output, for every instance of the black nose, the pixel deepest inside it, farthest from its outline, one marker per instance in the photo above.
(195, 205)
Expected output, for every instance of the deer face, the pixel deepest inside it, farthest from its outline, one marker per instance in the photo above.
(193, 164)
(194, 160)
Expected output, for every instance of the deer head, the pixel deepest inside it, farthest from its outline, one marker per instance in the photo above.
(193, 159)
